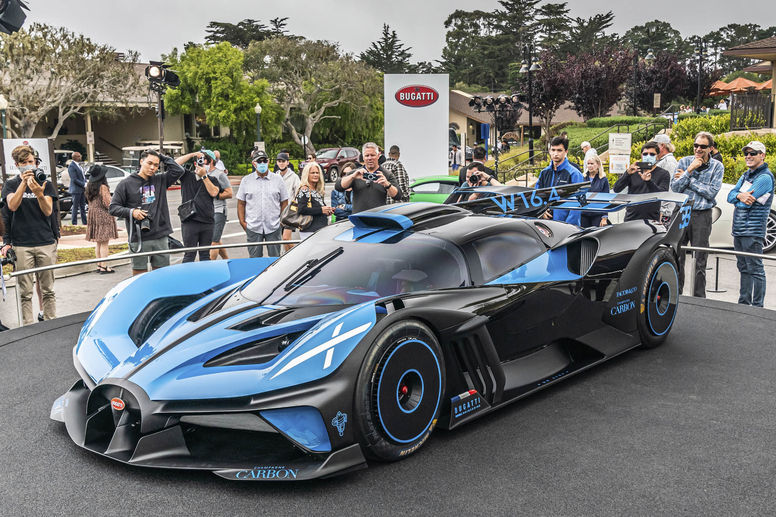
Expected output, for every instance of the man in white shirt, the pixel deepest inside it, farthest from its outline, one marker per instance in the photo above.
(261, 198)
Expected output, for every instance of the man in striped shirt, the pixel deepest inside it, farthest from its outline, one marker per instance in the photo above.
(700, 177)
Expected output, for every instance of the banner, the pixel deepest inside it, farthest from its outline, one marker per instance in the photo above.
(417, 116)
(41, 145)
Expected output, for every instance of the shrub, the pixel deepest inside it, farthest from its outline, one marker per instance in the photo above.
(604, 122)
(690, 127)
(232, 153)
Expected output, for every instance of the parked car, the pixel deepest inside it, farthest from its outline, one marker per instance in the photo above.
(332, 159)
(114, 175)
(434, 189)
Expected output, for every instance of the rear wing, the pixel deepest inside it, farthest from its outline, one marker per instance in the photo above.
(528, 202)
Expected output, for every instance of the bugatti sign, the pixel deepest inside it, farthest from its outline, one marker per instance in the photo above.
(417, 96)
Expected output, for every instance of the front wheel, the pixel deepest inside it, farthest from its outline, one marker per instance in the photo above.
(333, 174)
(659, 297)
(399, 391)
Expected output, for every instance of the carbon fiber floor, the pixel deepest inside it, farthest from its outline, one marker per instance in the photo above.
(684, 429)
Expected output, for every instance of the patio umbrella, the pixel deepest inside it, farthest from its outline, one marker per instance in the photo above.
(767, 85)
(718, 89)
(740, 85)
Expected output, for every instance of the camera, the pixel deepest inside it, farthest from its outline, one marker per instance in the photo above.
(370, 176)
(10, 258)
(475, 178)
(145, 224)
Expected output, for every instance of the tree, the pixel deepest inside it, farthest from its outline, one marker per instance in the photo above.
(310, 78)
(666, 76)
(552, 23)
(550, 88)
(243, 33)
(213, 84)
(588, 34)
(659, 36)
(388, 54)
(52, 69)
(596, 80)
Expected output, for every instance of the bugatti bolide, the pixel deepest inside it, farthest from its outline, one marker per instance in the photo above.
(368, 335)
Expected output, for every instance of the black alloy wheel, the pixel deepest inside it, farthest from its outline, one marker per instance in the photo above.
(658, 298)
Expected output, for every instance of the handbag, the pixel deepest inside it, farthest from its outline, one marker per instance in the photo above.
(173, 243)
(187, 209)
(292, 218)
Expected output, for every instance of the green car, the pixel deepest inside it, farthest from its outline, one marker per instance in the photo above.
(434, 189)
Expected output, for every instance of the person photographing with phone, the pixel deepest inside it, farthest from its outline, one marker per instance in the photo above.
(141, 199)
(644, 177)
(371, 183)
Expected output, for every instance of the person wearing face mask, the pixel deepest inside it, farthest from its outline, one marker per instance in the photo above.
(30, 231)
(261, 199)
(700, 177)
(644, 177)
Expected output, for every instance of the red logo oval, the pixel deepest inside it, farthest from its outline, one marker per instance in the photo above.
(417, 96)
(117, 404)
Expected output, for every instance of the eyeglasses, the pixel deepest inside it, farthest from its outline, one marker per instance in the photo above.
(700, 146)
(751, 153)
(261, 160)
(648, 154)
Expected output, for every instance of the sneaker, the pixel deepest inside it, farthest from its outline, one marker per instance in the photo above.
(40, 316)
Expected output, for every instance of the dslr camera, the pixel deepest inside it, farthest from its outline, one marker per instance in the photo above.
(40, 175)
(10, 258)
(145, 224)
(475, 178)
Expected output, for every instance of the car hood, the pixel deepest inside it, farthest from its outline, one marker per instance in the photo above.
(192, 343)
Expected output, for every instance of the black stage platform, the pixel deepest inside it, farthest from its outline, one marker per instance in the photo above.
(685, 429)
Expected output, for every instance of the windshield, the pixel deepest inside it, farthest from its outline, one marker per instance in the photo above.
(324, 271)
(327, 154)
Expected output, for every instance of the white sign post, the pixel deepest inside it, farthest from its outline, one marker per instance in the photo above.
(619, 152)
(417, 113)
(41, 145)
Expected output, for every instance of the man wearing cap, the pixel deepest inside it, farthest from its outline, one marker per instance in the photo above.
(198, 190)
(700, 178)
(261, 199)
(752, 197)
(282, 167)
(665, 157)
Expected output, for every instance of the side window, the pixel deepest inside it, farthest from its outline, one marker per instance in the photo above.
(497, 255)
(446, 188)
(432, 187)
(114, 173)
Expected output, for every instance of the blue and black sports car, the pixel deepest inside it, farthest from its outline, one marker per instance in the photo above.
(367, 336)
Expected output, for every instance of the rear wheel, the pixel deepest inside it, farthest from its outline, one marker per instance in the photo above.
(770, 233)
(399, 391)
(659, 297)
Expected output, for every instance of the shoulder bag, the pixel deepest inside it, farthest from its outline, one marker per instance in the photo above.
(291, 216)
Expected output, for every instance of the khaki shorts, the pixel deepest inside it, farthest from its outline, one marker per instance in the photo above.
(141, 263)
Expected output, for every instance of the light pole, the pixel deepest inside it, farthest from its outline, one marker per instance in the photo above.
(700, 53)
(525, 69)
(257, 109)
(3, 107)
(649, 59)
(501, 107)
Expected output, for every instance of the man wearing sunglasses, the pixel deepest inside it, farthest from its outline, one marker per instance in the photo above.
(752, 196)
(700, 178)
(644, 177)
(260, 201)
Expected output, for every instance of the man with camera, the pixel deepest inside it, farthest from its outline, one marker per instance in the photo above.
(371, 183)
(29, 201)
(644, 177)
(478, 157)
(197, 213)
(141, 199)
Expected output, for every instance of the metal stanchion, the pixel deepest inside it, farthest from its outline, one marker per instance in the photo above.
(716, 280)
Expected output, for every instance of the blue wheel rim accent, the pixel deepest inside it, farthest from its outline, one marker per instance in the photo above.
(420, 399)
(651, 283)
(439, 394)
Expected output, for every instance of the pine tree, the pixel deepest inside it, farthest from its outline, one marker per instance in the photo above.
(388, 54)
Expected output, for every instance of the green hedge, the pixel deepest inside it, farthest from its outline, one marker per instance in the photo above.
(610, 121)
(712, 113)
(690, 127)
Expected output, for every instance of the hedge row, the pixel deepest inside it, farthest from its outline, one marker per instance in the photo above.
(625, 120)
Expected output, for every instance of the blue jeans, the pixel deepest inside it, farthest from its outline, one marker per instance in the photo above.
(752, 290)
(79, 203)
(273, 250)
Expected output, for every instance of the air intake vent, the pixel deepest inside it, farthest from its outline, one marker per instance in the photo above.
(581, 255)
(156, 313)
(257, 352)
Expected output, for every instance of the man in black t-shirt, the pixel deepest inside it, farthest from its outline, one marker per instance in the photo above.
(370, 183)
(643, 178)
(30, 231)
(199, 189)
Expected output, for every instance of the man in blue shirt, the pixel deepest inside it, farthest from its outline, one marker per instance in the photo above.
(700, 178)
(752, 196)
(560, 172)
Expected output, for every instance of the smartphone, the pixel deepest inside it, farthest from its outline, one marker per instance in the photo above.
(644, 166)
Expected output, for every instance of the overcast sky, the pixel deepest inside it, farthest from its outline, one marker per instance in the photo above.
(155, 27)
